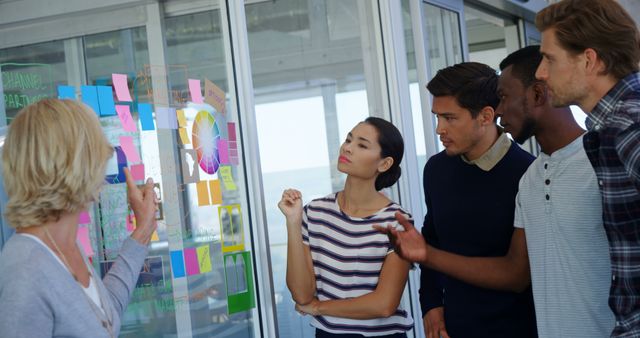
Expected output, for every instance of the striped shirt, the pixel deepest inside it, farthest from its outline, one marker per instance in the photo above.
(347, 256)
(560, 209)
(613, 147)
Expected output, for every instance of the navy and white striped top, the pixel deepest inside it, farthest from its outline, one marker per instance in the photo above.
(347, 256)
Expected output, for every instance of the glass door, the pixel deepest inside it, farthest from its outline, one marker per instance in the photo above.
(164, 89)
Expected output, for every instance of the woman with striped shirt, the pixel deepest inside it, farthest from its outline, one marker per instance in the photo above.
(340, 269)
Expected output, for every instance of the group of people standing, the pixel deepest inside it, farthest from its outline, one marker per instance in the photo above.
(512, 245)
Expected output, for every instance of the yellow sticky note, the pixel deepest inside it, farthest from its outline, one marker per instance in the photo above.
(203, 193)
(204, 260)
(227, 178)
(154, 236)
(182, 121)
(216, 193)
(184, 137)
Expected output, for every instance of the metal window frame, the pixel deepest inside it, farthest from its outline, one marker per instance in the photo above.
(243, 99)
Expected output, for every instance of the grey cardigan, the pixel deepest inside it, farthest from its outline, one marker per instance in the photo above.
(40, 298)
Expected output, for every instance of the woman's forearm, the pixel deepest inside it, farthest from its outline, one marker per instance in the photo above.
(300, 277)
(369, 306)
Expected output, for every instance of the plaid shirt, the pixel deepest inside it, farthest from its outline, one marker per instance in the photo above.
(613, 147)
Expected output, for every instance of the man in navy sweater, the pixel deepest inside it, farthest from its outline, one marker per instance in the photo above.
(470, 189)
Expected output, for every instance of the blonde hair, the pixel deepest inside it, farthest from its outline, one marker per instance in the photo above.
(54, 159)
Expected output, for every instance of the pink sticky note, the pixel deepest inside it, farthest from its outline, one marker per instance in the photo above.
(83, 237)
(126, 142)
(231, 130)
(125, 118)
(223, 151)
(196, 92)
(121, 87)
(130, 226)
(84, 218)
(137, 171)
(191, 261)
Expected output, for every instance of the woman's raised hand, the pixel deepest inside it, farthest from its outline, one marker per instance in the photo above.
(144, 204)
(291, 205)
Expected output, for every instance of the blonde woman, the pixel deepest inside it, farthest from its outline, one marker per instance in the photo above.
(54, 161)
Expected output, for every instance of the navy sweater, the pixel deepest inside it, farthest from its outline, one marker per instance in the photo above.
(470, 213)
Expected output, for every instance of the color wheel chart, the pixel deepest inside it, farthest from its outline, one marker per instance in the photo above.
(205, 134)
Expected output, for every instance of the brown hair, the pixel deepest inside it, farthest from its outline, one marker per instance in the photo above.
(602, 25)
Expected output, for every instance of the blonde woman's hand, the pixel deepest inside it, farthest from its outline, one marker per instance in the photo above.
(291, 206)
(144, 204)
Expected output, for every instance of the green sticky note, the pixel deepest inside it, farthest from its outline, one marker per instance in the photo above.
(238, 273)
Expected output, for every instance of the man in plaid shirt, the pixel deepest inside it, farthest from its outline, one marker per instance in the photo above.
(591, 51)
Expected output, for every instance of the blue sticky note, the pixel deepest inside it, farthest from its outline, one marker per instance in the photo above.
(122, 163)
(145, 114)
(90, 98)
(105, 100)
(177, 264)
(66, 92)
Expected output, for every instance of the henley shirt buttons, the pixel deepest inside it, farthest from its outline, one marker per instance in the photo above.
(547, 182)
(547, 197)
(545, 166)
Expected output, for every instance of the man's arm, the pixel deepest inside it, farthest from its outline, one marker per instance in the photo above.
(628, 149)
(509, 272)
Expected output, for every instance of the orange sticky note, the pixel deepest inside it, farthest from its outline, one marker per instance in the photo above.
(215, 192)
(203, 193)
(184, 137)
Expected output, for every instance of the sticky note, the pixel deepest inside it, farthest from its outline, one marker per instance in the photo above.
(130, 223)
(203, 193)
(145, 114)
(166, 118)
(184, 136)
(223, 151)
(90, 98)
(126, 142)
(128, 124)
(137, 172)
(191, 261)
(204, 259)
(121, 87)
(214, 96)
(66, 92)
(177, 264)
(196, 92)
(84, 218)
(154, 236)
(105, 101)
(231, 131)
(83, 237)
(227, 178)
(182, 120)
(215, 192)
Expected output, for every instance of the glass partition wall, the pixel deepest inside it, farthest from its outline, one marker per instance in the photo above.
(169, 111)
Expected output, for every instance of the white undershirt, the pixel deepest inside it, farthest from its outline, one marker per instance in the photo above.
(91, 291)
